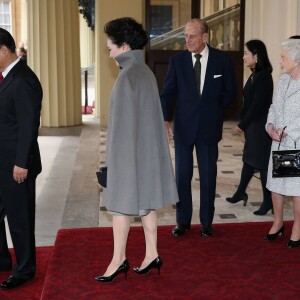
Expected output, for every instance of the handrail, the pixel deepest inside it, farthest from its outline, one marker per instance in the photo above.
(178, 33)
(222, 12)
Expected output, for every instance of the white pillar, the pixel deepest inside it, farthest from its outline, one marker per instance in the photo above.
(53, 53)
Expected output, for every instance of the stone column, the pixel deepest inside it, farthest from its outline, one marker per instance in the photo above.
(54, 55)
(262, 22)
(87, 44)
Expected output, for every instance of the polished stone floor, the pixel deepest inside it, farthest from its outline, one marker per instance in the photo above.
(229, 168)
(68, 195)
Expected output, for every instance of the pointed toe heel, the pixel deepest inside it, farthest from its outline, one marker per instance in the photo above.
(237, 198)
(265, 207)
(262, 212)
(124, 267)
(155, 264)
(273, 236)
(293, 244)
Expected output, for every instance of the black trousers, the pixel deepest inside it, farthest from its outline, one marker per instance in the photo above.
(17, 203)
(207, 156)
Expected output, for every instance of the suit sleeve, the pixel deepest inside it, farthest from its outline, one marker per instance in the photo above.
(262, 96)
(169, 93)
(229, 91)
(28, 98)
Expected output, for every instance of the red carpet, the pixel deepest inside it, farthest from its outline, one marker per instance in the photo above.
(235, 264)
(31, 290)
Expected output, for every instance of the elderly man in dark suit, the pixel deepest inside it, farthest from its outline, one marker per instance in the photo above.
(200, 83)
(20, 106)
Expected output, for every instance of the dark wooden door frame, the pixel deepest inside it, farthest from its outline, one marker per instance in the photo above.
(158, 60)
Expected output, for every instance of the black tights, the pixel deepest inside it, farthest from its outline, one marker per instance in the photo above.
(246, 175)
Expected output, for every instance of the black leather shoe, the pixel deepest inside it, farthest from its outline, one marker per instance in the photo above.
(123, 268)
(293, 244)
(266, 205)
(13, 282)
(180, 229)
(273, 236)
(206, 231)
(262, 211)
(236, 198)
(155, 264)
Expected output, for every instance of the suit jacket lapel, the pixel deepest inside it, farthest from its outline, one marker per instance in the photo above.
(210, 69)
(7, 80)
(188, 69)
(188, 64)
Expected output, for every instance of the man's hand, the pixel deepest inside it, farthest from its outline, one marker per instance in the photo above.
(237, 129)
(20, 174)
(169, 130)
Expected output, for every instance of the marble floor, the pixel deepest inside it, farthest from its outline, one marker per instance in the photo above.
(68, 195)
(229, 168)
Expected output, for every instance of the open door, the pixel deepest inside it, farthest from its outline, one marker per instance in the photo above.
(165, 21)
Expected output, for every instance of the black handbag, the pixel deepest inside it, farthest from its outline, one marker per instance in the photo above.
(286, 163)
(102, 176)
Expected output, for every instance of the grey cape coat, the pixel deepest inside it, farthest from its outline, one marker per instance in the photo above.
(140, 173)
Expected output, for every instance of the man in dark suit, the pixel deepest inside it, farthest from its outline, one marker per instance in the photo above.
(199, 92)
(20, 163)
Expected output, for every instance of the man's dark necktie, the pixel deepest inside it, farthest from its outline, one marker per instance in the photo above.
(1, 77)
(197, 69)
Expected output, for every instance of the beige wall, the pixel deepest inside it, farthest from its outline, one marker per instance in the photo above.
(272, 21)
(19, 22)
(54, 54)
(87, 43)
(106, 70)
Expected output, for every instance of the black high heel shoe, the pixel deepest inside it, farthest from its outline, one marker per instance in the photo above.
(236, 198)
(273, 236)
(124, 267)
(155, 264)
(293, 244)
(262, 211)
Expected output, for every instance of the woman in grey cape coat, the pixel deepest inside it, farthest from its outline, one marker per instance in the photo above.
(285, 113)
(140, 174)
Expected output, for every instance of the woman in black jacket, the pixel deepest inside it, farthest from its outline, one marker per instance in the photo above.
(257, 93)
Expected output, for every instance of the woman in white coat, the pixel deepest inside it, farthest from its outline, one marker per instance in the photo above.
(140, 174)
(285, 113)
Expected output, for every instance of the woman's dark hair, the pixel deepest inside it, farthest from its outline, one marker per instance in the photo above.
(259, 48)
(7, 40)
(126, 30)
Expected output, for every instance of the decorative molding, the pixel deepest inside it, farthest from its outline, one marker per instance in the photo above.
(87, 8)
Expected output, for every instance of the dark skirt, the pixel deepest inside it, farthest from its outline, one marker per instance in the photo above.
(257, 146)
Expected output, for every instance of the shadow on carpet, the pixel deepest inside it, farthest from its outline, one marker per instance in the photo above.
(32, 289)
(234, 264)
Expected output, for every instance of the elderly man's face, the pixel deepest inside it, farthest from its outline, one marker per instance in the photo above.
(194, 38)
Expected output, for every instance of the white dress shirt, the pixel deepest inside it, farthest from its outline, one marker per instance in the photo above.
(6, 71)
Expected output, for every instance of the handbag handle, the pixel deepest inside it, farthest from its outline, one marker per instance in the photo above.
(281, 136)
